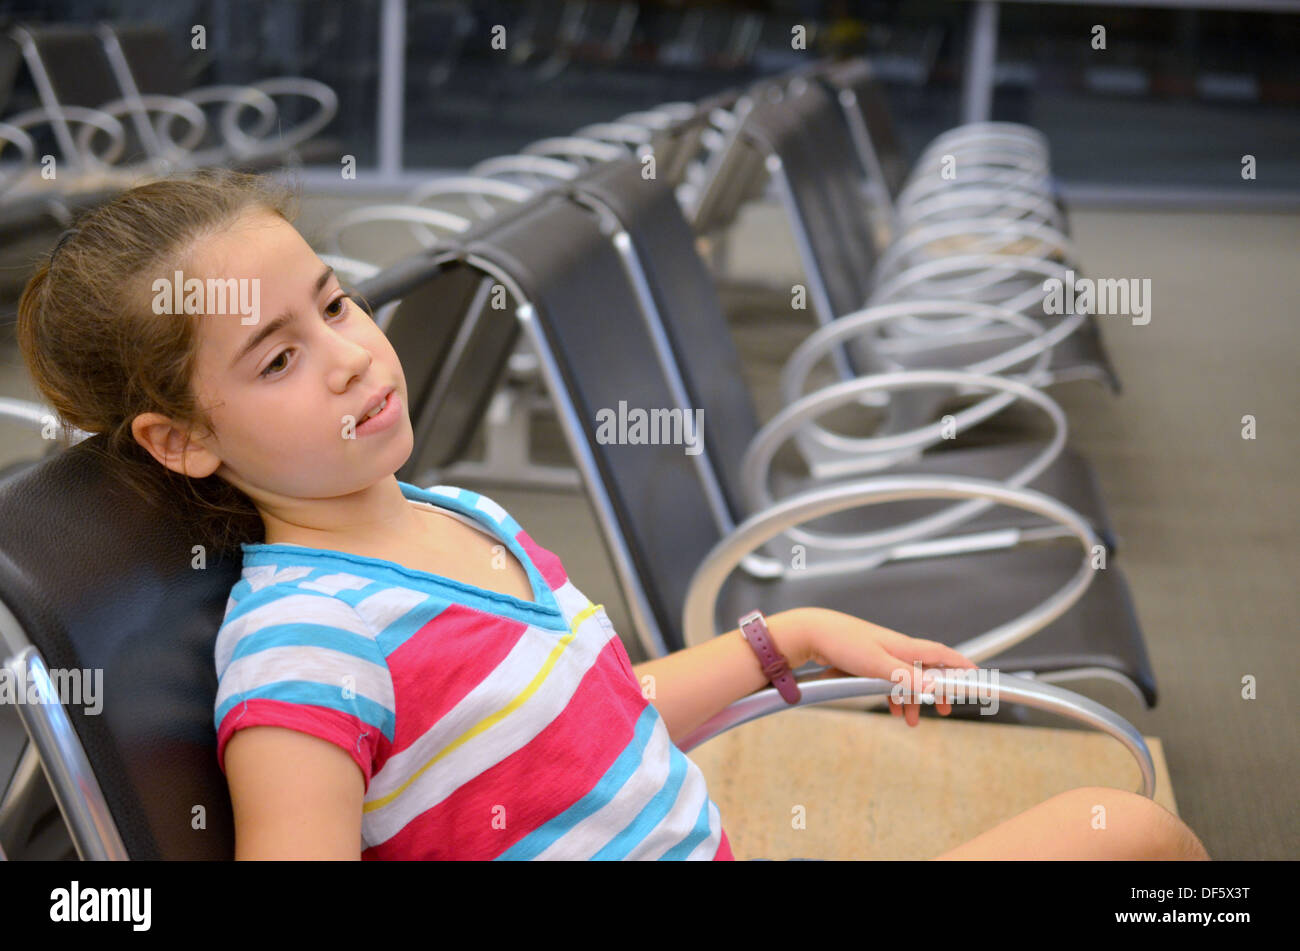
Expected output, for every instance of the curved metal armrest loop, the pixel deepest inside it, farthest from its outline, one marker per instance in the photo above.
(997, 235)
(702, 595)
(621, 133)
(326, 99)
(541, 170)
(947, 683)
(164, 148)
(863, 323)
(902, 284)
(882, 451)
(474, 189)
(920, 189)
(981, 202)
(93, 119)
(980, 161)
(236, 99)
(413, 215)
(588, 150)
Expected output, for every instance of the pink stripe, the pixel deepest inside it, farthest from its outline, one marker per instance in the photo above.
(354, 735)
(724, 850)
(441, 663)
(532, 785)
(547, 562)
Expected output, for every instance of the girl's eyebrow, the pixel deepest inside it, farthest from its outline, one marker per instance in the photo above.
(276, 325)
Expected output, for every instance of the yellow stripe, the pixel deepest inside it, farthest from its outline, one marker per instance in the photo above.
(495, 718)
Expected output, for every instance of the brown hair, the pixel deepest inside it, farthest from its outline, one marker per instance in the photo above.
(99, 356)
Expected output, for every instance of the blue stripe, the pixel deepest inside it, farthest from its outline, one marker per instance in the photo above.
(315, 694)
(307, 634)
(682, 849)
(623, 769)
(401, 629)
(655, 811)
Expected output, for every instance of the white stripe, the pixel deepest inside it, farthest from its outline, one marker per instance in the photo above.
(392, 604)
(705, 851)
(501, 740)
(291, 608)
(485, 504)
(261, 576)
(334, 583)
(594, 832)
(317, 664)
(680, 820)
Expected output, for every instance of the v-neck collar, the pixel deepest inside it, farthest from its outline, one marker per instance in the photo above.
(543, 610)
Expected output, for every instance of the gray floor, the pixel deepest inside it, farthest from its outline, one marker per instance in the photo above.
(1207, 519)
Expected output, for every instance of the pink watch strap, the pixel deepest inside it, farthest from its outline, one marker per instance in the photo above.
(753, 626)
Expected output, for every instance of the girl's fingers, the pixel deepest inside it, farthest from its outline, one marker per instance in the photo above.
(932, 652)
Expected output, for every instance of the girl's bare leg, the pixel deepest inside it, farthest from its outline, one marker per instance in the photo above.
(1092, 822)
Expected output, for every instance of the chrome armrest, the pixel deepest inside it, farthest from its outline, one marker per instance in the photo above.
(919, 278)
(419, 219)
(881, 451)
(92, 119)
(588, 150)
(236, 100)
(163, 147)
(702, 595)
(535, 167)
(862, 323)
(991, 236)
(918, 189)
(982, 202)
(76, 790)
(473, 188)
(946, 683)
(325, 97)
(617, 133)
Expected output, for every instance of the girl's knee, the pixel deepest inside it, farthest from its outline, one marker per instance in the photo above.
(1133, 825)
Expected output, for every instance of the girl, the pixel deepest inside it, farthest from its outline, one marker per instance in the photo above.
(403, 672)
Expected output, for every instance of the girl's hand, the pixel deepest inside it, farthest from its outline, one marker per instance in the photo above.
(857, 648)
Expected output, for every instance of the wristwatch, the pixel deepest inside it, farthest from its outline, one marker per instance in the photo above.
(753, 627)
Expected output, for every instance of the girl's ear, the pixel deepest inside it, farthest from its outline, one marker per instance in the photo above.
(166, 443)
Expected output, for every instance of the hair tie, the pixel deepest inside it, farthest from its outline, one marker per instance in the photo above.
(62, 238)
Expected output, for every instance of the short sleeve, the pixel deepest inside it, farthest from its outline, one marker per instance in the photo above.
(305, 661)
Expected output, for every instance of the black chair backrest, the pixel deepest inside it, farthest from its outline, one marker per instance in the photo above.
(688, 305)
(81, 75)
(151, 56)
(586, 308)
(10, 58)
(99, 580)
(805, 132)
(856, 75)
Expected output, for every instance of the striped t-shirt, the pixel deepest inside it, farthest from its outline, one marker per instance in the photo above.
(486, 727)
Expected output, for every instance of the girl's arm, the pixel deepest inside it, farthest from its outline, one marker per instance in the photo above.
(689, 686)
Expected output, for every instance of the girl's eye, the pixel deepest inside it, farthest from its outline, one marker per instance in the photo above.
(335, 308)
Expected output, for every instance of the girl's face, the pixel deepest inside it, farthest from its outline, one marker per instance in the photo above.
(285, 405)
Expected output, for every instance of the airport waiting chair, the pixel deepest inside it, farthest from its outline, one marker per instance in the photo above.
(814, 169)
(146, 68)
(133, 769)
(677, 292)
(880, 150)
(31, 198)
(72, 72)
(659, 514)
